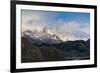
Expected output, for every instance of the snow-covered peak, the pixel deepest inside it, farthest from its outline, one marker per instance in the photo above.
(47, 33)
(50, 35)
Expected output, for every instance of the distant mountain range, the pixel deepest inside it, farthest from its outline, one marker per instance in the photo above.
(49, 33)
(38, 46)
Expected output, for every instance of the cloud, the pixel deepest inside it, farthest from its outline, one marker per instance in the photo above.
(86, 28)
(37, 20)
(77, 31)
(70, 26)
(32, 20)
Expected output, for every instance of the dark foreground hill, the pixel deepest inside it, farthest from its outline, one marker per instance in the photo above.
(70, 50)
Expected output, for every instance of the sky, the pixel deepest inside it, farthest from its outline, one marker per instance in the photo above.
(77, 23)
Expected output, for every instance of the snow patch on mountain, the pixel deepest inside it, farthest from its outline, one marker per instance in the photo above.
(49, 35)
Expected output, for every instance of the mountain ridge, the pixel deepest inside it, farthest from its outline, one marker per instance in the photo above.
(41, 37)
(70, 50)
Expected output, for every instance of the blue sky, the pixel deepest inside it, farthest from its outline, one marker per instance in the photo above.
(75, 16)
(54, 17)
(61, 21)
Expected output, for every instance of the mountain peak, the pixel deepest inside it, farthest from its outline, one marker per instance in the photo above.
(41, 36)
(48, 33)
(45, 30)
(54, 34)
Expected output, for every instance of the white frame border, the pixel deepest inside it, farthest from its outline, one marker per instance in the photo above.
(20, 65)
